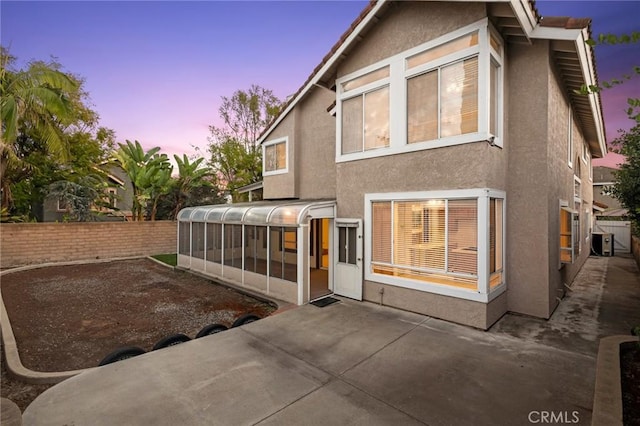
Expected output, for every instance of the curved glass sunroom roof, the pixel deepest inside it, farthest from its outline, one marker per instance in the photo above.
(280, 213)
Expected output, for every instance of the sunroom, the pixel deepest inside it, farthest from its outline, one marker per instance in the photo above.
(280, 249)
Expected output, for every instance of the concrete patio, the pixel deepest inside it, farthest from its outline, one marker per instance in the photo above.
(358, 363)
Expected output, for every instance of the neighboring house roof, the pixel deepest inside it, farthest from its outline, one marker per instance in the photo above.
(251, 187)
(597, 205)
(519, 22)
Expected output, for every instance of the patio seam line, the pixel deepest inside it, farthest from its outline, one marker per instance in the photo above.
(294, 401)
(345, 380)
(339, 376)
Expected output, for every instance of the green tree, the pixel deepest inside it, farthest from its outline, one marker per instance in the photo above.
(159, 185)
(245, 115)
(234, 166)
(191, 176)
(37, 103)
(78, 197)
(142, 168)
(235, 157)
(627, 179)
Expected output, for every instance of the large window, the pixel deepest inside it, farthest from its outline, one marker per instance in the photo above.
(284, 261)
(428, 242)
(444, 92)
(275, 157)
(184, 242)
(197, 240)
(233, 245)
(214, 242)
(255, 253)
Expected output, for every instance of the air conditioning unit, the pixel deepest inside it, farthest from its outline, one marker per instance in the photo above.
(602, 243)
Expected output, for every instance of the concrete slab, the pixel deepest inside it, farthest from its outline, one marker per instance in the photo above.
(620, 309)
(228, 378)
(336, 337)
(575, 325)
(442, 373)
(339, 403)
(10, 414)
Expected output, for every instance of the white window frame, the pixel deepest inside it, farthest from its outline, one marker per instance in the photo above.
(484, 293)
(583, 157)
(58, 208)
(112, 197)
(572, 214)
(284, 140)
(397, 82)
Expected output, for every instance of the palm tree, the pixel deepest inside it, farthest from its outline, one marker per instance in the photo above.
(37, 100)
(191, 176)
(142, 168)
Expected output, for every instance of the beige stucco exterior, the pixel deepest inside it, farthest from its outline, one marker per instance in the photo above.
(531, 167)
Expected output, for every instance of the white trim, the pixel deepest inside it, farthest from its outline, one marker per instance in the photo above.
(479, 194)
(284, 140)
(397, 83)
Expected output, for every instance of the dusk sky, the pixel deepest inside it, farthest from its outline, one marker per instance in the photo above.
(156, 71)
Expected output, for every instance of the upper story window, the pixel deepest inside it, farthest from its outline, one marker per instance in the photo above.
(444, 92)
(365, 114)
(275, 157)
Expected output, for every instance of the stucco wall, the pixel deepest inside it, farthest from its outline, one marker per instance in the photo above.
(316, 148)
(561, 185)
(408, 24)
(32, 243)
(527, 219)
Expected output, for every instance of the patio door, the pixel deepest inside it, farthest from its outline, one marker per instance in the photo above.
(348, 258)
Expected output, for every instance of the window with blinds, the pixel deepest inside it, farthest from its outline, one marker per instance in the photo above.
(427, 240)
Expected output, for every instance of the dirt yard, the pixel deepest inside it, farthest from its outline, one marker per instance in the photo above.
(70, 317)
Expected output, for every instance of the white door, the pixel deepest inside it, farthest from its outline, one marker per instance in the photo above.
(348, 258)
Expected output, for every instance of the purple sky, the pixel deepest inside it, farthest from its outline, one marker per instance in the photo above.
(156, 70)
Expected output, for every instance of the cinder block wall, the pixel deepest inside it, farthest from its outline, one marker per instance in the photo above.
(31, 243)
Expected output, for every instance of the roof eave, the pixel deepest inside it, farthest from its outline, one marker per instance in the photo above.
(353, 36)
(583, 54)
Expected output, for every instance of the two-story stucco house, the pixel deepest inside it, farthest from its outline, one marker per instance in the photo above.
(437, 160)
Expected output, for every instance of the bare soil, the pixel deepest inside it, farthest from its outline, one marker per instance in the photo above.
(70, 317)
(630, 370)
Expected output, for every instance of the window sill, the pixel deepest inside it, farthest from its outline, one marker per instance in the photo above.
(275, 172)
(444, 290)
(420, 146)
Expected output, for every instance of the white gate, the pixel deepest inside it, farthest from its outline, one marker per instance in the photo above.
(621, 231)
